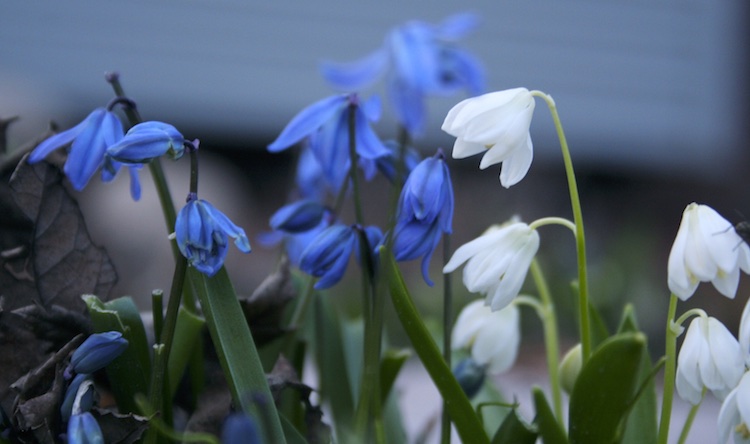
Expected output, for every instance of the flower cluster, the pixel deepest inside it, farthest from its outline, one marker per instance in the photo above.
(422, 61)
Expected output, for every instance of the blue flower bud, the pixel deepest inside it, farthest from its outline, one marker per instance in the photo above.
(146, 141)
(86, 400)
(470, 376)
(328, 254)
(97, 351)
(298, 216)
(202, 231)
(83, 429)
(240, 428)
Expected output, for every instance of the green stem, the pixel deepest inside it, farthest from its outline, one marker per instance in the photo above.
(689, 420)
(583, 294)
(445, 430)
(459, 408)
(549, 322)
(669, 372)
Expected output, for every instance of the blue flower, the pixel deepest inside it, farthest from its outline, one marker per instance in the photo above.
(91, 138)
(146, 141)
(86, 399)
(240, 428)
(424, 62)
(327, 255)
(326, 126)
(83, 429)
(425, 212)
(97, 351)
(470, 376)
(201, 232)
(298, 216)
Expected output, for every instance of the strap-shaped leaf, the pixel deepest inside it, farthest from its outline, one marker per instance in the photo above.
(604, 390)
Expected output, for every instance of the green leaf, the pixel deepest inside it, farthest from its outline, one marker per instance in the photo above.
(129, 374)
(187, 334)
(547, 426)
(335, 383)
(514, 431)
(235, 347)
(604, 390)
(642, 425)
(459, 408)
(390, 365)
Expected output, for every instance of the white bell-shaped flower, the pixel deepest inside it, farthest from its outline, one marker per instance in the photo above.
(734, 416)
(492, 336)
(710, 357)
(706, 249)
(497, 124)
(497, 262)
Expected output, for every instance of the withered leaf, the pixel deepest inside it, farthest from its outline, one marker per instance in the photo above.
(120, 428)
(46, 253)
(265, 307)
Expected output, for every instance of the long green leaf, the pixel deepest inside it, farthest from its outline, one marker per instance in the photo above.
(459, 408)
(604, 390)
(547, 425)
(129, 374)
(235, 346)
(642, 427)
(187, 334)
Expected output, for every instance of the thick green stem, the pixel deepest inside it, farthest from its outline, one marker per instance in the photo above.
(445, 429)
(583, 292)
(549, 322)
(669, 372)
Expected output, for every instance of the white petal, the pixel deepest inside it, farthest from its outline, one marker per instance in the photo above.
(471, 248)
(467, 110)
(462, 148)
(517, 165)
(725, 355)
(729, 417)
(468, 323)
(744, 333)
(678, 278)
(687, 390)
(727, 283)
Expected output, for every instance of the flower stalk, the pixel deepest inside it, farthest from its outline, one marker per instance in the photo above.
(669, 372)
(583, 286)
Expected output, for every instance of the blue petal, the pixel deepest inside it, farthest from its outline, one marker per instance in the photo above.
(83, 429)
(369, 145)
(230, 229)
(357, 75)
(298, 216)
(97, 351)
(135, 183)
(415, 55)
(458, 70)
(88, 150)
(308, 121)
(371, 108)
(409, 105)
(59, 140)
(240, 428)
(147, 141)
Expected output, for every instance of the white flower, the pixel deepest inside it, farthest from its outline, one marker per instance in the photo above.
(710, 357)
(497, 123)
(734, 416)
(706, 249)
(497, 262)
(493, 336)
(744, 334)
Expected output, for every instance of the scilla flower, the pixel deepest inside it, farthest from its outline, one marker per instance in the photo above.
(496, 124)
(734, 416)
(425, 212)
(83, 429)
(423, 60)
(710, 357)
(706, 249)
(492, 336)
(326, 125)
(202, 234)
(90, 140)
(240, 428)
(97, 351)
(497, 262)
(146, 141)
(327, 255)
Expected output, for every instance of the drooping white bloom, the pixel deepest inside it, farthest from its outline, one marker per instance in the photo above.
(498, 125)
(734, 416)
(744, 334)
(706, 249)
(710, 357)
(497, 262)
(493, 336)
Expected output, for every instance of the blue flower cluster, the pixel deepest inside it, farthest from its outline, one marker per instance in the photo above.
(96, 352)
(418, 59)
(99, 143)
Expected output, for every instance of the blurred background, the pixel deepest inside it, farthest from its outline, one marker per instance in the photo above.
(653, 97)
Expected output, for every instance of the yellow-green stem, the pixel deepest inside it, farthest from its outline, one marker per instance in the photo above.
(689, 420)
(583, 293)
(669, 372)
(549, 321)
